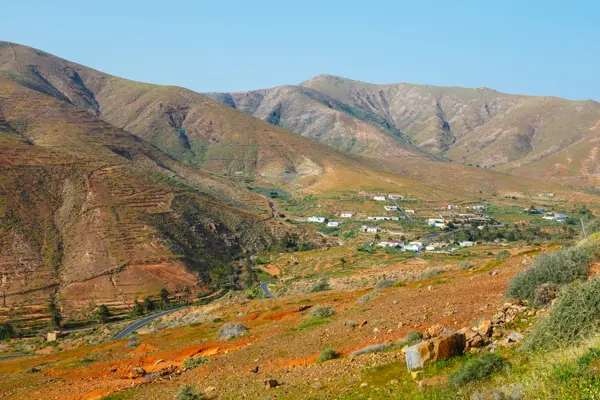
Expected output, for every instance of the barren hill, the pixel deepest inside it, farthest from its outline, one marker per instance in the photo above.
(534, 136)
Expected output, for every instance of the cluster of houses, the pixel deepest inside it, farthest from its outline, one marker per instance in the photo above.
(323, 220)
(420, 246)
(385, 197)
(550, 216)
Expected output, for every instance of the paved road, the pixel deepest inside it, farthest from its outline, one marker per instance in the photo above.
(401, 211)
(11, 356)
(125, 332)
(265, 286)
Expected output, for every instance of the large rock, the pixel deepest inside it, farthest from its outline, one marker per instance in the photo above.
(439, 348)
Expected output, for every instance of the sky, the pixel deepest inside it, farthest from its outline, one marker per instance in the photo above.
(534, 47)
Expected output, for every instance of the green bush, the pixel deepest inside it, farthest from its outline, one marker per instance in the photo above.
(326, 355)
(411, 338)
(323, 312)
(193, 362)
(560, 267)
(321, 286)
(477, 369)
(384, 284)
(187, 392)
(465, 265)
(574, 317)
(6, 331)
(503, 255)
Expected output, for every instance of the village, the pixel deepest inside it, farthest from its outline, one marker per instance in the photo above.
(436, 223)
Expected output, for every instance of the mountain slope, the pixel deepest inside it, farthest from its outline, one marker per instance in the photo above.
(90, 212)
(511, 133)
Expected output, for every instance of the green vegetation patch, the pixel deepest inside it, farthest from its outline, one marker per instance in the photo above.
(477, 369)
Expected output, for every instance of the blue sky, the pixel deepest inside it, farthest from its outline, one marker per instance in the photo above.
(526, 46)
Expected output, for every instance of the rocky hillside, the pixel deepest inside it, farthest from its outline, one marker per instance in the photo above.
(91, 212)
(536, 136)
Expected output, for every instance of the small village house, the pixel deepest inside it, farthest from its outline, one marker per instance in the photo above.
(334, 224)
(320, 220)
(379, 198)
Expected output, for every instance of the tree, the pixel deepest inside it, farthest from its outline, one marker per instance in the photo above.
(149, 304)
(103, 313)
(164, 298)
(55, 315)
(6, 331)
(377, 237)
(138, 308)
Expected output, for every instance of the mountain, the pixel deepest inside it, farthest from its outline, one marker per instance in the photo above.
(539, 137)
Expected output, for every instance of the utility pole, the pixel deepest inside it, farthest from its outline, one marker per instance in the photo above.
(583, 227)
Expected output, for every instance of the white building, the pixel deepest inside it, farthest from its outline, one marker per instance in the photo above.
(432, 221)
(334, 223)
(440, 225)
(391, 208)
(390, 244)
(466, 243)
(478, 207)
(383, 218)
(451, 207)
(379, 198)
(409, 211)
(346, 215)
(369, 229)
(413, 246)
(395, 196)
(320, 220)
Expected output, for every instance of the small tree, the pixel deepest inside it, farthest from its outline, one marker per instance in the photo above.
(55, 315)
(187, 392)
(138, 308)
(6, 331)
(103, 313)
(164, 298)
(149, 304)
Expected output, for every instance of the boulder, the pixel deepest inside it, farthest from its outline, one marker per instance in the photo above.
(137, 372)
(271, 383)
(433, 331)
(440, 348)
(484, 328)
(474, 342)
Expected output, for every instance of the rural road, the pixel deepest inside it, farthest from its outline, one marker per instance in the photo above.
(265, 286)
(401, 211)
(11, 356)
(125, 332)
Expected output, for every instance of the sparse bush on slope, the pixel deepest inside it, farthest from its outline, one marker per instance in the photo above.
(502, 255)
(187, 392)
(321, 286)
(323, 312)
(477, 369)
(544, 294)
(560, 267)
(373, 348)
(326, 355)
(575, 316)
(229, 331)
(6, 331)
(384, 284)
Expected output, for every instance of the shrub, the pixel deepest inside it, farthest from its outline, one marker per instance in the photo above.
(366, 297)
(384, 283)
(544, 294)
(326, 355)
(321, 286)
(323, 312)
(429, 273)
(229, 331)
(574, 317)
(102, 313)
(586, 359)
(411, 338)
(133, 341)
(187, 392)
(6, 331)
(465, 265)
(562, 266)
(503, 255)
(193, 362)
(373, 348)
(477, 369)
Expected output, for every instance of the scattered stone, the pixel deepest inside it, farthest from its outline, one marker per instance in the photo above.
(364, 384)
(209, 389)
(303, 307)
(515, 337)
(271, 383)
(433, 331)
(137, 372)
(364, 323)
(484, 328)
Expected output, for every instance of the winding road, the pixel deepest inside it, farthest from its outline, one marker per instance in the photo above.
(11, 356)
(265, 286)
(138, 324)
